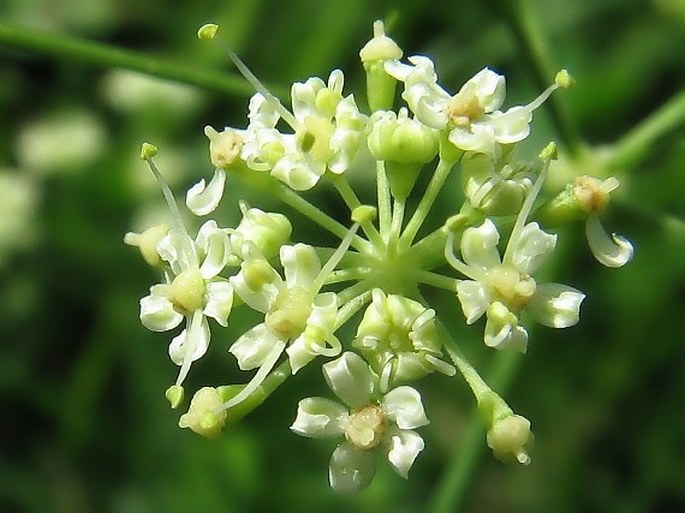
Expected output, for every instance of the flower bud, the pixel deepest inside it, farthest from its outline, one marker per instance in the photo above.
(510, 438)
(205, 415)
(268, 231)
(380, 86)
(147, 242)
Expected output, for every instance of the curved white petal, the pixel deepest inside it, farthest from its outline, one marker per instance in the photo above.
(157, 313)
(320, 418)
(555, 305)
(480, 137)
(202, 199)
(502, 330)
(403, 406)
(301, 265)
(174, 249)
(351, 470)
(511, 126)
(490, 89)
(298, 174)
(351, 379)
(219, 301)
(216, 245)
(303, 96)
(532, 248)
(404, 447)
(479, 246)
(194, 342)
(252, 348)
(616, 251)
(474, 299)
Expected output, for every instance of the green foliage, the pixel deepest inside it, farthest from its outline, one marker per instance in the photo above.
(86, 426)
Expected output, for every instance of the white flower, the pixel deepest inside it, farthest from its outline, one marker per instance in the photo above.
(296, 314)
(502, 288)
(328, 131)
(193, 290)
(471, 116)
(369, 421)
(399, 338)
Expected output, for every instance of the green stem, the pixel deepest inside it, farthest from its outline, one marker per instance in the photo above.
(437, 280)
(641, 140)
(442, 171)
(265, 183)
(352, 201)
(397, 220)
(349, 274)
(524, 24)
(452, 491)
(383, 191)
(350, 308)
(69, 48)
(353, 291)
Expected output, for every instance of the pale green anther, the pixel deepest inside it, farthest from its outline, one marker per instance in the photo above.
(148, 151)
(549, 152)
(174, 395)
(224, 147)
(364, 214)
(327, 100)
(257, 273)
(564, 79)
(207, 31)
(187, 291)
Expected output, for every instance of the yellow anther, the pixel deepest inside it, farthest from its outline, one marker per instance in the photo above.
(549, 152)
(564, 79)
(364, 214)
(148, 151)
(207, 31)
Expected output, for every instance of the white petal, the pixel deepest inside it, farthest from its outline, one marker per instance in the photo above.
(174, 248)
(253, 347)
(194, 342)
(555, 305)
(479, 246)
(216, 246)
(533, 248)
(480, 138)
(511, 126)
(202, 199)
(219, 301)
(351, 379)
(298, 174)
(474, 299)
(404, 447)
(261, 299)
(157, 313)
(351, 470)
(300, 353)
(320, 418)
(301, 265)
(611, 252)
(502, 330)
(403, 406)
(490, 88)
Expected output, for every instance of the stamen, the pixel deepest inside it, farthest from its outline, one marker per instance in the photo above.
(255, 82)
(457, 264)
(257, 379)
(148, 151)
(548, 153)
(190, 344)
(335, 258)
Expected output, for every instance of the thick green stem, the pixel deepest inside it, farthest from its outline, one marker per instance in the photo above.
(437, 280)
(383, 191)
(68, 48)
(352, 201)
(637, 144)
(442, 171)
(522, 20)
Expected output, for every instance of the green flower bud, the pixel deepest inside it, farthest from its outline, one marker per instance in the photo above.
(380, 86)
(583, 198)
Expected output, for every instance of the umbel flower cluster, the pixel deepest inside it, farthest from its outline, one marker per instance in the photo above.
(486, 252)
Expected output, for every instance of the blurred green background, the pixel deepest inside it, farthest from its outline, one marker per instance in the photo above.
(84, 425)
